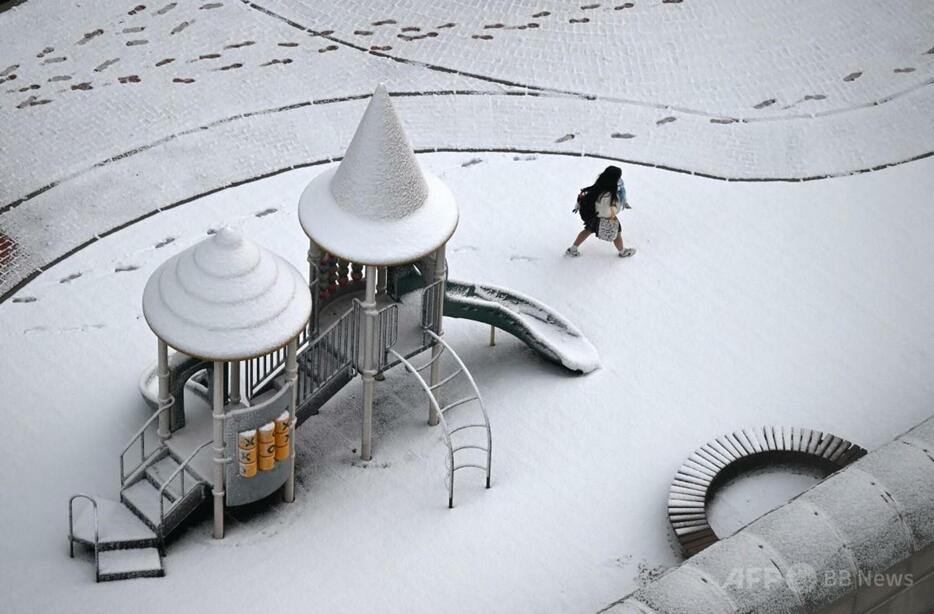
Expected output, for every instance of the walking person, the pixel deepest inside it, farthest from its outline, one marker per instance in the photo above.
(598, 205)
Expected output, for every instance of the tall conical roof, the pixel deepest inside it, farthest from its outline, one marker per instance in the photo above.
(378, 206)
(226, 298)
(380, 161)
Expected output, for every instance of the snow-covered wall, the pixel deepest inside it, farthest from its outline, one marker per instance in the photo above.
(825, 547)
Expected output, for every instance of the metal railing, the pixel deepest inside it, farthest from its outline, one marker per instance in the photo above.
(387, 332)
(262, 369)
(328, 355)
(446, 431)
(141, 437)
(163, 512)
(97, 532)
(431, 305)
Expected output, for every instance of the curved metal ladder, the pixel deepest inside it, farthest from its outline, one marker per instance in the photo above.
(432, 391)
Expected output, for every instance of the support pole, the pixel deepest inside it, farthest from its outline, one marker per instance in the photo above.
(314, 284)
(291, 377)
(219, 450)
(234, 382)
(438, 274)
(162, 372)
(370, 360)
(492, 335)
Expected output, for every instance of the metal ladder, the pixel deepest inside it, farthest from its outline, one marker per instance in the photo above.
(473, 398)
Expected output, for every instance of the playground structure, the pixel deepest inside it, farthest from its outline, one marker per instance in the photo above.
(258, 350)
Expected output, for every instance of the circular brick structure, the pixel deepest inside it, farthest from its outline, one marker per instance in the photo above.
(699, 477)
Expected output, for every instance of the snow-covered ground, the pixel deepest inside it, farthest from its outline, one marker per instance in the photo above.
(748, 302)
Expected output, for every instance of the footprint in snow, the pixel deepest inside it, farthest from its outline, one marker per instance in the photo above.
(233, 66)
(25, 299)
(32, 101)
(622, 135)
(665, 120)
(483, 37)
(181, 26)
(524, 158)
(380, 47)
(627, 5)
(384, 22)
(106, 64)
(165, 61)
(211, 5)
(541, 14)
(522, 259)
(328, 48)
(83, 86)
(815, 97)
(243, 44)
(579, 20)
(266, 212)
(46, 51)
(445, 26)
(410, 29)
(182, 80)
(288, 44)
(129, 79)
(9, 69)
(132, 30)
(588, 7)
(126, 268)
(471, 162)
(764, 104)
(282, 61)
(137, 9)
(164, 242)
(55, 60)
(363, 32)
(58, 78)
(853, 76)
(90, 36)
(137, 42)
(565, 138)
(904, 70)
(71, 277)
(165, 9)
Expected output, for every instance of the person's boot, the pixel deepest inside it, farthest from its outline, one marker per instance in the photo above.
(572, 251)
(626, 252)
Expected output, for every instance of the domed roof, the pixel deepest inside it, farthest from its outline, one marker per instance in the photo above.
(226, 298)
(378, 206)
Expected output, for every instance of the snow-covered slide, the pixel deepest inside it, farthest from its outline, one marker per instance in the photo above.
(537, 325)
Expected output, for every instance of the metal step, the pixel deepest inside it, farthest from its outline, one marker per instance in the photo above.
(160, 471)
(118, 527)
(132, 563)
(143, 499)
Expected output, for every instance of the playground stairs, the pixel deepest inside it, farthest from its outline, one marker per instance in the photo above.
(466, 431)
(128, 536)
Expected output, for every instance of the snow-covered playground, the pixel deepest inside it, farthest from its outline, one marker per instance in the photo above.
(777, 157)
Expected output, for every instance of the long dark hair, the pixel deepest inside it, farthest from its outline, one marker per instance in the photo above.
(606, 182)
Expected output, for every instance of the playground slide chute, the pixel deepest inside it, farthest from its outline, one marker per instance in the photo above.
(538, 326)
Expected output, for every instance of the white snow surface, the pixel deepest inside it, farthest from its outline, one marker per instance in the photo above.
(379, 177)
(804, 304)
(226, 298)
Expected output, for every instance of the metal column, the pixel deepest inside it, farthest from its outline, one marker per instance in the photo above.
(162, 371)
(439, 272)
(368, 350)
(219, 450)
(291, 377)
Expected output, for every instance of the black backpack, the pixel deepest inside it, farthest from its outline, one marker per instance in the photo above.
(585, 207)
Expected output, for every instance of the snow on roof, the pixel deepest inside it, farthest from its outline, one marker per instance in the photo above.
(378, 207)
(226, 298)
(861, 521)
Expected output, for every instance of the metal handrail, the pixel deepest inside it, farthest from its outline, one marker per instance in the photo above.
(180, 469)
(97, 532)
(444, 425)
(335, 336)
(141, 435)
